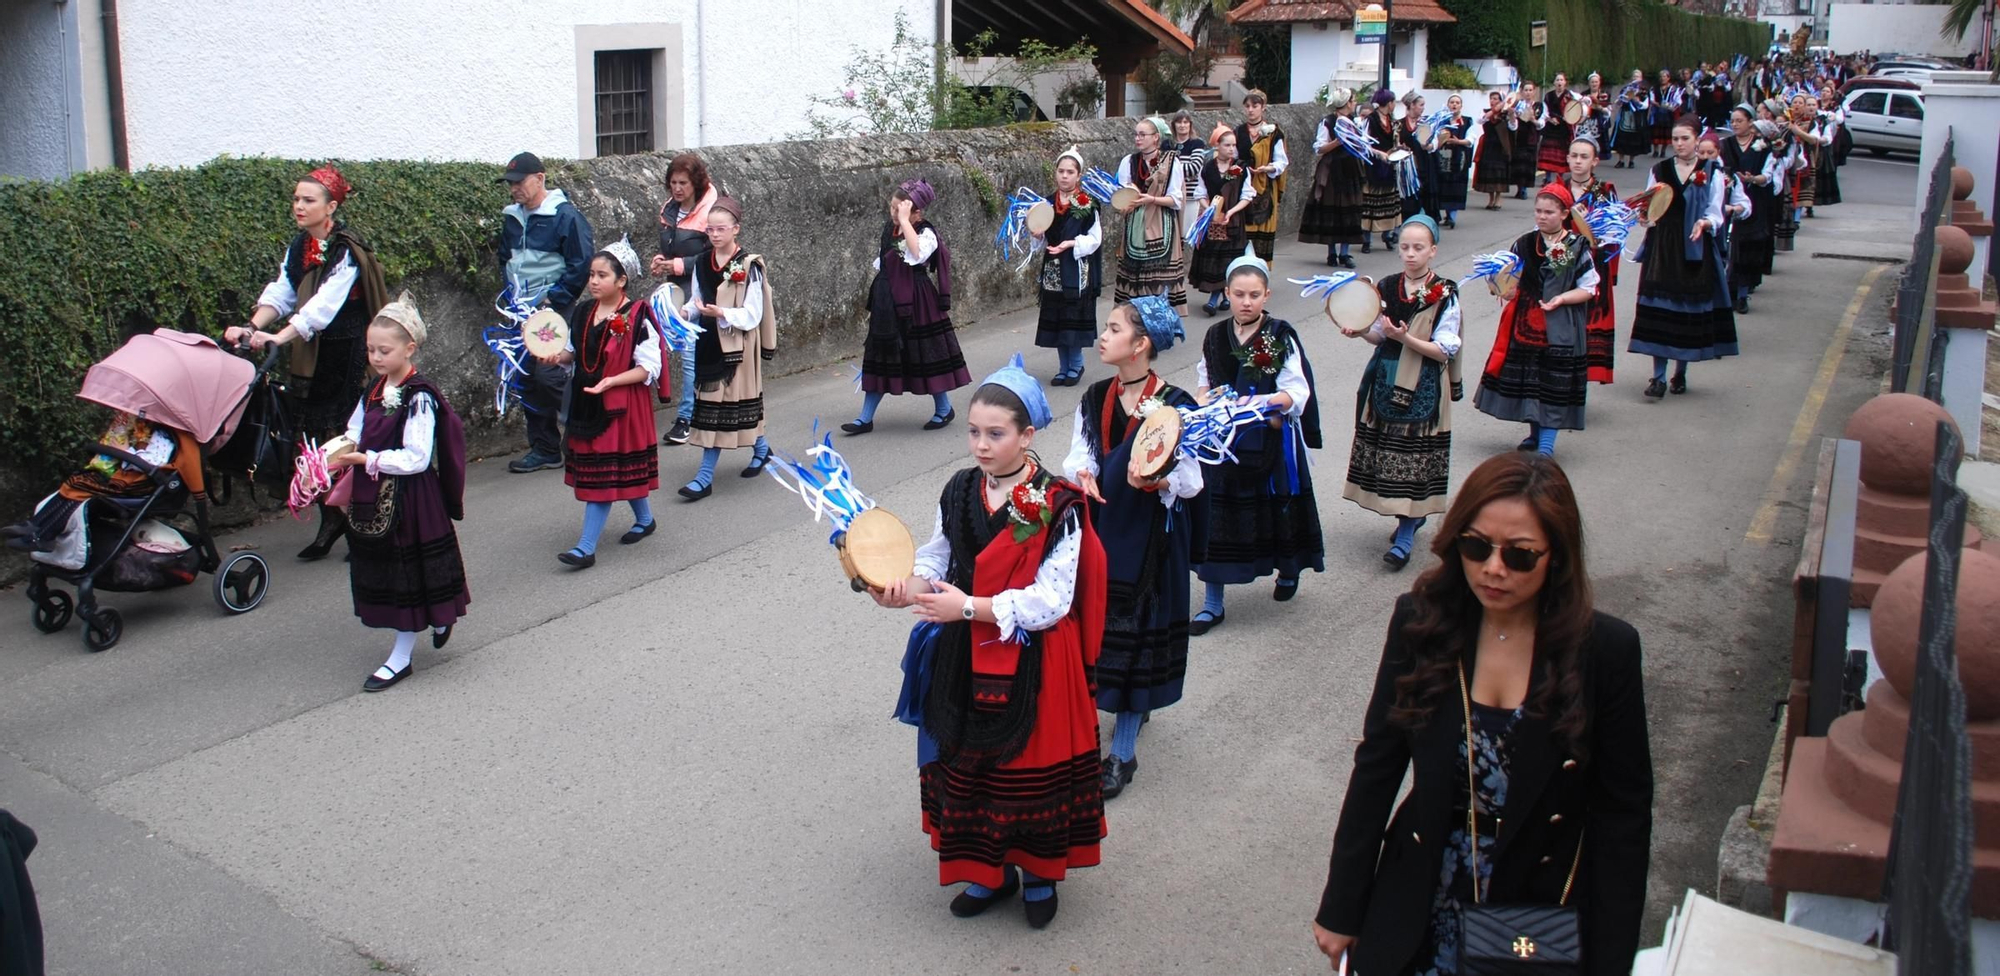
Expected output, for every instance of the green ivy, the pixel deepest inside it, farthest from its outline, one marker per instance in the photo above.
(1591, 35)
(102, 255)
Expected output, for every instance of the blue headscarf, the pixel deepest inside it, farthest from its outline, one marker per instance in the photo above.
(1249, 260)
(1015, 377)
(1161, 322)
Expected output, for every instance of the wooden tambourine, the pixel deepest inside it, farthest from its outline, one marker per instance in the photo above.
(1041, 217)
(1153, 447)
(1126, 199)
(1579, 215)
(545, 333)
(1399, 155)
(1653, 203)
(876, 550)
(1425, 133)
(1355, 305)
(1505, 284)
(1575, 111)
(337, 446)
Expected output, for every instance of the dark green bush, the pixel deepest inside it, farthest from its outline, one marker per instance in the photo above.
(95, 258)
(1589, 35)
(1449, 75)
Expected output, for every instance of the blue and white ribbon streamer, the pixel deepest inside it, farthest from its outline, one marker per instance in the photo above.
(1013, 230)
(1355, 141)
(1320, 286)
(1100, 185)
(1199, 228)
(1407, 181)
(1208, 431)
(1436, 120)
(1611, 223)
(514, 304)
(1493, 265)
(823, 481)
(678, 332)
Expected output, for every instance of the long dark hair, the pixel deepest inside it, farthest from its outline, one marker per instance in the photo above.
(1445, 623)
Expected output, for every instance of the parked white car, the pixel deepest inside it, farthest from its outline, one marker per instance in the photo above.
(1884, 121)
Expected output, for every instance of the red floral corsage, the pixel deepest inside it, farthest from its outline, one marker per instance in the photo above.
(315, 252)
(1700, 177)
(1435, 294)
(618, 325)
(735, 272)
(1028, 511)
(1235, 172)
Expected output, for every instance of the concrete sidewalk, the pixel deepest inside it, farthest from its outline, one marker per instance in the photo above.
(682, 759)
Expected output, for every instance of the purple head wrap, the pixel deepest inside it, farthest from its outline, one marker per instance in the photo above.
(920, 193)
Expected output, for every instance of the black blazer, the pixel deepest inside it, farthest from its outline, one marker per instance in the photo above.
(1384, 873)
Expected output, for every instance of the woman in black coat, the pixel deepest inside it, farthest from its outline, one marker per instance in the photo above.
(1565, 776)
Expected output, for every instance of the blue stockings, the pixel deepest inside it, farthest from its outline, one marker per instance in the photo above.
(1660, 368)
(940, 402)
(1125, 735)
(595, 514)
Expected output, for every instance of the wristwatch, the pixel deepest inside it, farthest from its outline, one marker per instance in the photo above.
(968, 613)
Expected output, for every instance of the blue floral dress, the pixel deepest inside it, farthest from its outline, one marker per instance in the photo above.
(1490, 728)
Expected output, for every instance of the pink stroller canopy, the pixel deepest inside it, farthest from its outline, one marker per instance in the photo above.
(176, 379)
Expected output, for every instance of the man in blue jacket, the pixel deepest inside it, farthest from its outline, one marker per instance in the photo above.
(545, 245)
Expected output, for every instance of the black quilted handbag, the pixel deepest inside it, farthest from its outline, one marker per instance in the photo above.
(1512, 940)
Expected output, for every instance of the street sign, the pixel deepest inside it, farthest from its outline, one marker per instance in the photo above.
(1538, 33)
(1371, 24)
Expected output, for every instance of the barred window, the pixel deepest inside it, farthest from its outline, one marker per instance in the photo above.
(624, 102)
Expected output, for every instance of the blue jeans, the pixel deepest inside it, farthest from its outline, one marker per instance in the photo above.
(686, 391)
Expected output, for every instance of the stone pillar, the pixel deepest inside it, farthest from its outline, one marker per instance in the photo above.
(1967, 103)
(1840, 792)
(1897, 432)
(1963, 316)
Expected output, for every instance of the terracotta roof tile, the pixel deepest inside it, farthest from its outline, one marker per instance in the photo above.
(1298, 11)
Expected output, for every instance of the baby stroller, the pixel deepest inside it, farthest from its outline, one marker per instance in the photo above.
(135, 535)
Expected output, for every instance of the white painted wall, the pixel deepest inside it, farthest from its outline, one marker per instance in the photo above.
(471, 79)
(39, 103)
(1898, 27)
(1323, 51)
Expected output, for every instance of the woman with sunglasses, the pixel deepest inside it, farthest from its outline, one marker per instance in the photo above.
(1497, 654)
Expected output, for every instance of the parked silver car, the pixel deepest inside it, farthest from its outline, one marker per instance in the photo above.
(1884, 121)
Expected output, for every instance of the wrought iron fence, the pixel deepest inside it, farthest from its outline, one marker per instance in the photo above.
(1928, 881)
(1919, 346)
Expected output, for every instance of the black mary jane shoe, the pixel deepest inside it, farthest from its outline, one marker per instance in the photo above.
(1347, 261)
(697, 494)
(1224, 306)
(758, 462)
(440, 638)
(1655, 390)
(1117, 775)
(1396, 558)
(1041, 913)
(1367, 248)
(1198, 626)
(1679, 385)
(940, 423)
(377, 683)
(1529, 443)
(858, 427)
(1284, 591)
(1743, 306)
(968, 905)
(638, 532)
(581, 560)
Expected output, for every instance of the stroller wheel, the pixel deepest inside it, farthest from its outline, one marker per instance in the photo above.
(52, 611)
(102, 631)
(241, 582)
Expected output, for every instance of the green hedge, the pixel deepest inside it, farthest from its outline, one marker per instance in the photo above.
(1590, 35)
(95, 258)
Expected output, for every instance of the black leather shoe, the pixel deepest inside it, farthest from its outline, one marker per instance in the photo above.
(1198, 626)
(332, 525)
(1679, 385)
(1117, 775)
(1041, 913)
(940, 423)
(1367, 248)
(697, 494)
(579, 560)
(858, 427)
(756, 465)
(440, 638)
(1743, 306)
(1655, 389)
(966, 906)
(1285, 591)
(1396, 558)
(638, 532)
(1347, 261)
(377, 683)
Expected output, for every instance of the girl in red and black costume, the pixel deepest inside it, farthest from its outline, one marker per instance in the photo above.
(611, 447)
(1010, 589)
(1601, 330)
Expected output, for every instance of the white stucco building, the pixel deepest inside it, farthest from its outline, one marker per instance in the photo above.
(1324, 48)
(415, 79)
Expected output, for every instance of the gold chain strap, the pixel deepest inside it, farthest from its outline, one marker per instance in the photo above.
(1472, 802)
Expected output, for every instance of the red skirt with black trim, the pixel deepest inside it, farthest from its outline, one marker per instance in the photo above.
(1600, 332)
(623, 463)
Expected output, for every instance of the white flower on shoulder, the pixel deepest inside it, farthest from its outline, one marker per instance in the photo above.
(1150, 404)
(392, 397)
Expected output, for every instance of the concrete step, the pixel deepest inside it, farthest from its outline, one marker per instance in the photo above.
(1206, 99)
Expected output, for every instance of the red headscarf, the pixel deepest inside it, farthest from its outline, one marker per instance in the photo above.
(336, 185)
(1561, 194)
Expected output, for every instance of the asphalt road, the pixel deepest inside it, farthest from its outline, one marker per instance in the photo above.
(682, 760)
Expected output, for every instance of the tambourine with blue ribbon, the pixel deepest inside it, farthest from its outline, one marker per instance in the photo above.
(874, 547)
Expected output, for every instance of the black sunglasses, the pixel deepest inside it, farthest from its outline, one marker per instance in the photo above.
(1515, 558)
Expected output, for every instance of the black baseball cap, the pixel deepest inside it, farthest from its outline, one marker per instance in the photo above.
(520, 168)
